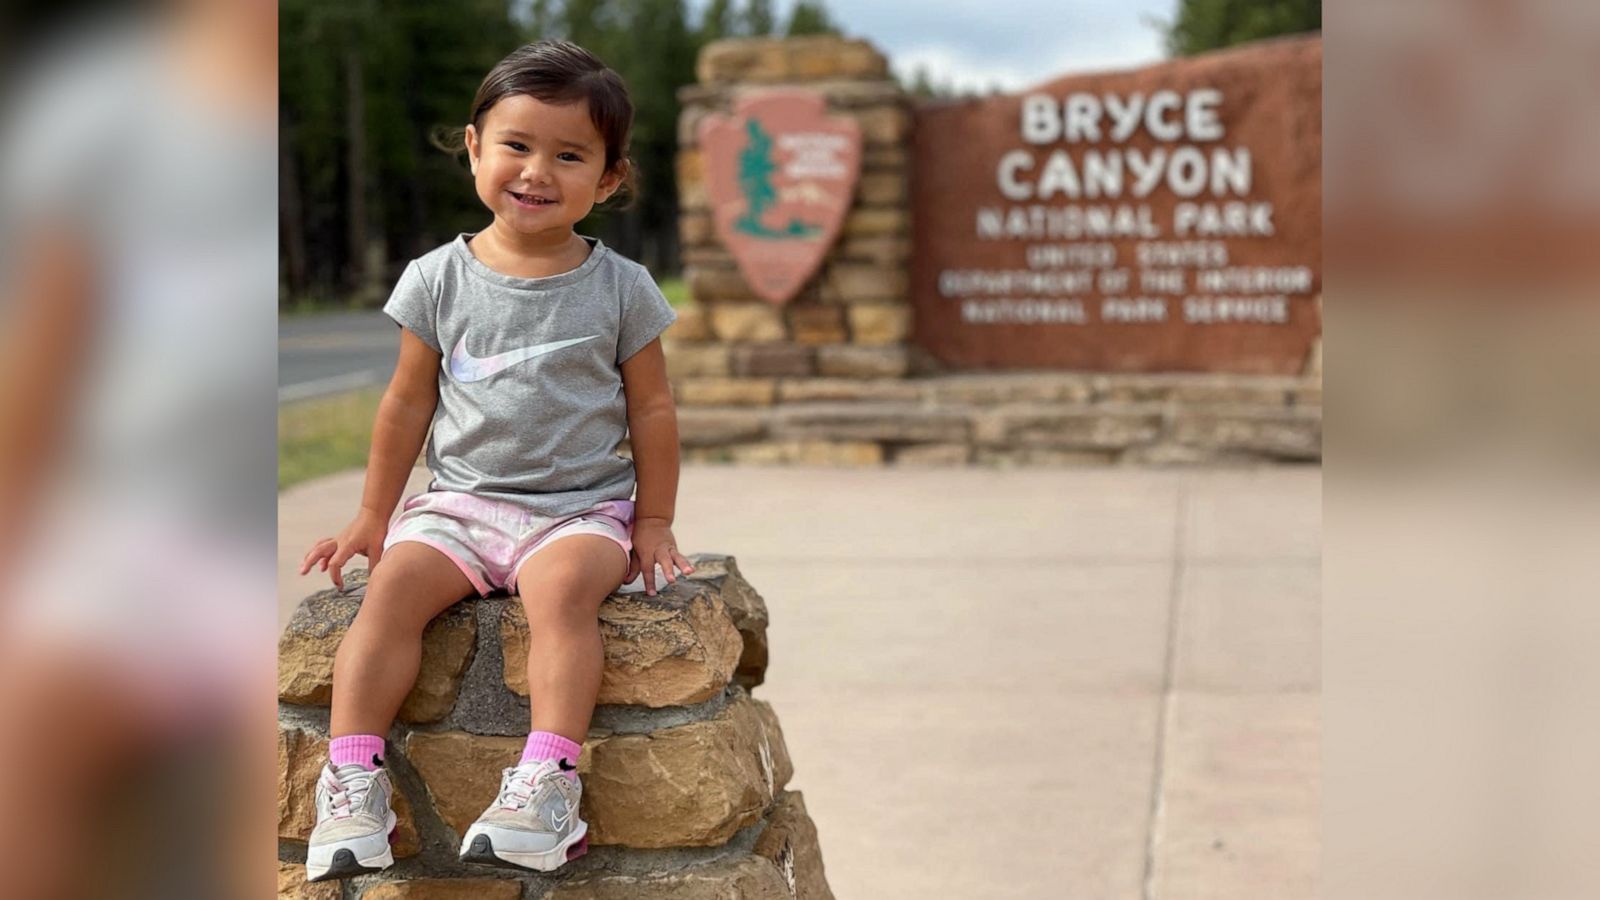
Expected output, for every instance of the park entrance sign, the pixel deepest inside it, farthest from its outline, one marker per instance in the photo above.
(1164, 219)
(781, 175)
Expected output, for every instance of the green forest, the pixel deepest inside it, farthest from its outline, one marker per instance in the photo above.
(366, 86)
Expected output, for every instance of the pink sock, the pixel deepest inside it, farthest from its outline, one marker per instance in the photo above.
(358, 749)
(543, 745)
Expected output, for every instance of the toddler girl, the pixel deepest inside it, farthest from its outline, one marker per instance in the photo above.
(530, 352)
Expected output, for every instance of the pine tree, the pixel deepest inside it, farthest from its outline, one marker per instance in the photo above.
(1203, 25)
(755, 179)
(757, 18)
(810, 17)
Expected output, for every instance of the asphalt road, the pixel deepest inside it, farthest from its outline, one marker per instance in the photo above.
(325, 353)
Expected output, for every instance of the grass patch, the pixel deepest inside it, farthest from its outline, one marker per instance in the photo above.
(676, 291)
(324, 435)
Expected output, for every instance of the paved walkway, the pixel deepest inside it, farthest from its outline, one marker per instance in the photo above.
(1091, 683)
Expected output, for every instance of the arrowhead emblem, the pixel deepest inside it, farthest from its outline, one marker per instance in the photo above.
(780, 174)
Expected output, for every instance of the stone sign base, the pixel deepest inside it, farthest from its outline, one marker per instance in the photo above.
(685, 775)
(1001, 419)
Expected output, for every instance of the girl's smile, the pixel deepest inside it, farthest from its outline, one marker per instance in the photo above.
(540, 167)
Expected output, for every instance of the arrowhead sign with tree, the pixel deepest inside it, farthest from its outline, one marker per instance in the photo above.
(778, 205)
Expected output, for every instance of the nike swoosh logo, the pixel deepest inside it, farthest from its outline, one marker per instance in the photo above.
(467, 368)
(560, 818)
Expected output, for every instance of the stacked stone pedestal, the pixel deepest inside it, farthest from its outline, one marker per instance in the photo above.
(684, 773)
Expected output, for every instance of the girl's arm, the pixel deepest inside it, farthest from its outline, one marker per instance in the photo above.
(653, 435)
(401, 426)
(48, 314)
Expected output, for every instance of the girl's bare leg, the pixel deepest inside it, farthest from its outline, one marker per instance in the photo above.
(562, 587)
(380, 655)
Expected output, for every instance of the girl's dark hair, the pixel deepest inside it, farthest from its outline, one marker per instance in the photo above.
(560, 72)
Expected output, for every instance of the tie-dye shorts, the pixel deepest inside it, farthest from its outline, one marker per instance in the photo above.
(489, 540)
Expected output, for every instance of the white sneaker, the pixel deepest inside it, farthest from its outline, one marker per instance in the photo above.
(534, 823)
(354, 820)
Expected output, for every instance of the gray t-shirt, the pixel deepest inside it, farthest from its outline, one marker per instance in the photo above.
(531, 408)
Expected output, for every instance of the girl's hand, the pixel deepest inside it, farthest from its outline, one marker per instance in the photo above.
(652, 544)
(364, 536)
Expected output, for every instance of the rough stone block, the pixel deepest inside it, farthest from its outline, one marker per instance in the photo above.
(446, 889)
(933, 455)
(745, 606)
(710, 284)
(693, 360)
(841, 94)
(871, 422)
(693, 324)
(816, 324)
(885, 157)
(1294, 434)
(743, 877)
(770, 360)
(707, 256)
(707, 455)
(689, 123)
(992, 389)
(1019, 457)
(876, 221)
(852, 361)
(752, 320)
(1094, 428)
(707, 427)
(726, 391)
(839, 454)
(790, 842)
(858, 283)
(1313, 366)
(883, 189)
(695, 229)
(879, 323)
(1191, 390)
(877, 250)
(765, 453)
(461, 771)
(301, 756)
(888, 124)
(811, 58)
(691, 166)
(292, 885)
(1165, 453)
(307, 647)
(693, 785)
(847, 390)
(677, 648)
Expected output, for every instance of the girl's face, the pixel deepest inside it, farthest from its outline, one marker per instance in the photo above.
(539, 167)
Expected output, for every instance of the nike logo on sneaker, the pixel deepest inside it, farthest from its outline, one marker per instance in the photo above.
(465, 367)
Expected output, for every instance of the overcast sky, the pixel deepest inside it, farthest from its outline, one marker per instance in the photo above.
(1011, 43)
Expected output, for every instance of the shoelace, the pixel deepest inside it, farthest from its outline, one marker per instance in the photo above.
(346, 792)
(517, 777)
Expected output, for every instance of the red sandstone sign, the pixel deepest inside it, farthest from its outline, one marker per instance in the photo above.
(780, 174)
(1167, 218)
